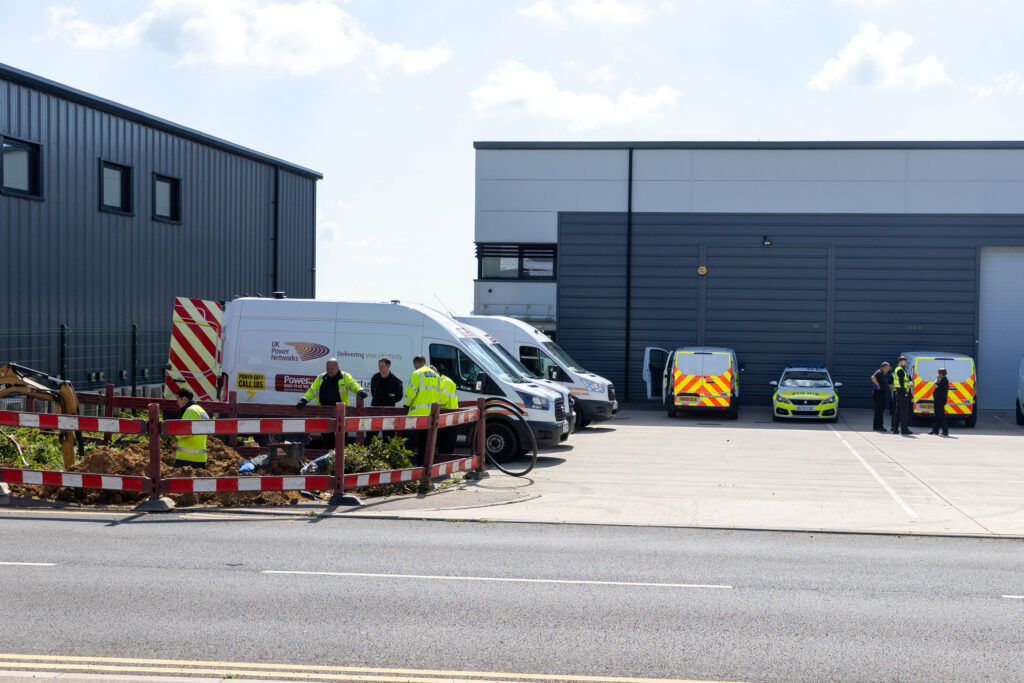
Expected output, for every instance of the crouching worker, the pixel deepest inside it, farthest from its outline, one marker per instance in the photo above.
(191, 451)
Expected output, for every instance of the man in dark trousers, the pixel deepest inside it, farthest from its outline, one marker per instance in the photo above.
(880, 381)
(939, 397)
(385, 390)
(903, 385)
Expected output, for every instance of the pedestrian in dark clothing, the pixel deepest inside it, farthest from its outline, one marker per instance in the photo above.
(903, 385)
(939, 397)
(385, 391)
(880, 381)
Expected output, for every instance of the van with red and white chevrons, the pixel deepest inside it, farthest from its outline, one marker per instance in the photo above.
(962, 401)
(694, 378)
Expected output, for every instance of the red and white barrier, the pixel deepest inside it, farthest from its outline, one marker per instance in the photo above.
(452, 466)
(314, 425)
(386, 424)
(459, 418)
(378, 478)
(72, 423)
(240, 484)
(82, 480)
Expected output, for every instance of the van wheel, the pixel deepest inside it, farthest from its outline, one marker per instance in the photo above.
(972, 419)
(502, 443)
(1020, 415)
(733, 412)
(671, 412)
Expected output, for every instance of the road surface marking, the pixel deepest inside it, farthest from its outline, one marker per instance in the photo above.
(878, 477)
(1014, 597)
(500, 578)
(29, 564)
(263, 670)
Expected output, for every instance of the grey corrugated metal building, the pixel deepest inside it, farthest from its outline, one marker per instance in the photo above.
(837, 253)
(108, 213)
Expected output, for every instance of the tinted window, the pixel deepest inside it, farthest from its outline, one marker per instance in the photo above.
(456, 364)
(689, 363)
(20, 167)
(167, 198)
(957, 370)
(499, 267)
(116, 187)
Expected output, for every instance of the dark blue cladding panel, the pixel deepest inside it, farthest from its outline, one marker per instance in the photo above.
(850, 290)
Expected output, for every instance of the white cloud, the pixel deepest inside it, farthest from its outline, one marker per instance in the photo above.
(602, 74)
(872, 59)
(1009, 83)
(604, 13)
(300, 38)
(515, 88)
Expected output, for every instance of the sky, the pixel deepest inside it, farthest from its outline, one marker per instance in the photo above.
(386, 97)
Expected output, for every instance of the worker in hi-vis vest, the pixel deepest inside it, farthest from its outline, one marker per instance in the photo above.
(903, 385)
(422, 390)
(446, 437)
(329, 389)
(191, 451)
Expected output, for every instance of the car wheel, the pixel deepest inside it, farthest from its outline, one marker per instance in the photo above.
(1020, 415)
(775, 418)
(584, 423)
(502, 443)
(832, 420)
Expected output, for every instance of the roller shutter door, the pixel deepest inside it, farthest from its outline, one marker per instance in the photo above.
(1001, 326)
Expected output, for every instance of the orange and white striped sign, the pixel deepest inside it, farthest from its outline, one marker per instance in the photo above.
(702, 391)
(195, 348)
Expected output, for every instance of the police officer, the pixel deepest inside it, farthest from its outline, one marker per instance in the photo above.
(939, 396)
(422, 390)
(331, 388)
(446, 437)
(191, 450)
(903, 386)
(880, 380)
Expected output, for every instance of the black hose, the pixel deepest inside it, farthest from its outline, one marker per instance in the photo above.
(496, 403)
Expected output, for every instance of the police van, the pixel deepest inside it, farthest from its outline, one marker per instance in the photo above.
(273, 349)
(694, 378)
(961, 401)
(594, 395)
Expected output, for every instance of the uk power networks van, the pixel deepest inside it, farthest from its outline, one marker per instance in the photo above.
(595, 396)
(274, 348)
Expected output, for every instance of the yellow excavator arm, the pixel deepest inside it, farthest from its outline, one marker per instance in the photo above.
(17, 379)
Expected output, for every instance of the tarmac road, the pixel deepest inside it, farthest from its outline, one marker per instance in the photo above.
(517, 599)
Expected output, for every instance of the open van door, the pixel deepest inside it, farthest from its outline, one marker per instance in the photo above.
(654, 371)
(195, 354)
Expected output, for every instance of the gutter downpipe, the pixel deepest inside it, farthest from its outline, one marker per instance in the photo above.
(276, 227)
(629, 271)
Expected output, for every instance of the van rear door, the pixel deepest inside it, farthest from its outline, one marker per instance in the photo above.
(655, 360)
(195, 355)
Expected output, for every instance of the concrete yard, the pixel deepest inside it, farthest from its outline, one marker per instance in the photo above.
(644, 468)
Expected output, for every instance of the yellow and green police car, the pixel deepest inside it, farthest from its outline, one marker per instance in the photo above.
(805, 392)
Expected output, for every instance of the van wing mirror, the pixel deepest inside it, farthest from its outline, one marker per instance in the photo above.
(553, 372)
(482, 383)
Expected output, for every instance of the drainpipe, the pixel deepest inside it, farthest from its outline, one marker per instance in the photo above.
(276, 228)
(629, 271)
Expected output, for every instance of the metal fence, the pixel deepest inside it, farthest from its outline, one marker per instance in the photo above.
(90, 358)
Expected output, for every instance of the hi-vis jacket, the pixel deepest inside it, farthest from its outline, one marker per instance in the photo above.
(450, 391)
(901, 379)
(192, 447)
(346, 385)
(424, 388)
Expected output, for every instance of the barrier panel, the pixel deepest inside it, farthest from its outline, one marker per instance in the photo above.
(155, 484)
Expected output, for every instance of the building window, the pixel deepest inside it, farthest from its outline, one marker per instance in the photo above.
(166, 198)
(115, 188)
(516, 261)
(20, 174)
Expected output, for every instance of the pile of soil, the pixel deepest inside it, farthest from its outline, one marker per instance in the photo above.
(133, 459)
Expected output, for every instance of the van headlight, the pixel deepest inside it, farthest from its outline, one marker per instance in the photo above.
(595, 387)
(534, 402)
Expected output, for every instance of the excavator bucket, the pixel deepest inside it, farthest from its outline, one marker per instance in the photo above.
(17, 379)
(195, 353)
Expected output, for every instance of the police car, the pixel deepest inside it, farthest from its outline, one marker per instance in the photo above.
(807, 392)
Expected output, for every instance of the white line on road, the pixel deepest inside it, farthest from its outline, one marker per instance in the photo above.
(1014, 597)
(500, 578)
(878, 477)
(29, 564)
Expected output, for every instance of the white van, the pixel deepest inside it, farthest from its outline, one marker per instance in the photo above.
(595, 396)
(274, 348)
(694, 378)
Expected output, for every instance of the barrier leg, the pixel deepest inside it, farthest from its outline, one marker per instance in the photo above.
(481, 441)
(233, 414)
(155, 502)
(428, 455)
(108, 409)
(339, 497)
(360, 436)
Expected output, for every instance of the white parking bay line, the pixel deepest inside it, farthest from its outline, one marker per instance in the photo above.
(1014, 597)
(501, 579)
(876, 475)
(29, 564)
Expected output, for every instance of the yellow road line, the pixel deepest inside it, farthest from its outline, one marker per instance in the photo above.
(296, 670)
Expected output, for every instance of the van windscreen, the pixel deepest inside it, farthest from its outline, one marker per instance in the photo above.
(957, 369)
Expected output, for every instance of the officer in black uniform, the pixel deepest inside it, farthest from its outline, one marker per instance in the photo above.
(939, 397)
